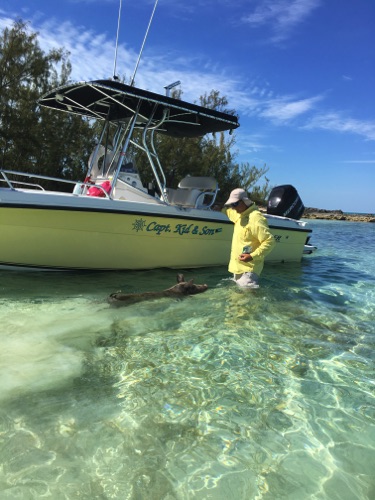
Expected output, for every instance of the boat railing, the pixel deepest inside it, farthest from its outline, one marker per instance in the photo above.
(78, 186)
(23, 184)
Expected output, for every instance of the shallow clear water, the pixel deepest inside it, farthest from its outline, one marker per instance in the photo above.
(262, 394)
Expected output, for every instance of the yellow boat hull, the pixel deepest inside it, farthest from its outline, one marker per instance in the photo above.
(290, 244)
(105, 240)
(69, 239)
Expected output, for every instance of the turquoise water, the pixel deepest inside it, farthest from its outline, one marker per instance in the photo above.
(260, 394)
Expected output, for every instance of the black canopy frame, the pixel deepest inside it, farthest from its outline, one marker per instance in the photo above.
(117, 102)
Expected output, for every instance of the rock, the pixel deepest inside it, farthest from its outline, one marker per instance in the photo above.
(320, 213)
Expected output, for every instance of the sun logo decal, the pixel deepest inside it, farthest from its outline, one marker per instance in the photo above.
(139, 225)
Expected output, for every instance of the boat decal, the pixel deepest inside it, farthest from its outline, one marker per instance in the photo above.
(278, 237)
(181, 229)
(139, 225)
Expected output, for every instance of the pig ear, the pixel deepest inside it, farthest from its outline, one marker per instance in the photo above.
(180, 278)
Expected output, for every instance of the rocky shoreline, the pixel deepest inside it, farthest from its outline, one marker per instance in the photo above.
(319, 213)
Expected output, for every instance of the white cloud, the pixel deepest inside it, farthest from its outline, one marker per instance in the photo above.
(5, 20)
(284, 110)
(280, 15)
(91, 54)
(92, 57)
(335, 122)
(251, 143)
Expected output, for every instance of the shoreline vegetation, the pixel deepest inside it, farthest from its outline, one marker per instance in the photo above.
(320, 213)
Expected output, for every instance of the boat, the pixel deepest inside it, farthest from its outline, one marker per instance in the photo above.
(110, 220)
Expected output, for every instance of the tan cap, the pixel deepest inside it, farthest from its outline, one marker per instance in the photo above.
(237, 195)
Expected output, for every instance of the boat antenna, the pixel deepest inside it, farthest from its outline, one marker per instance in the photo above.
(143, 44)
(115, 77)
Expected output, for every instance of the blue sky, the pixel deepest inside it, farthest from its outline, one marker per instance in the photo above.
(300, 74)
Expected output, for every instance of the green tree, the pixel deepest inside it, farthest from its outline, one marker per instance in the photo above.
(32, 139)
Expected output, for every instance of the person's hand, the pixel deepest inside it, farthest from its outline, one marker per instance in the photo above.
(245, 257)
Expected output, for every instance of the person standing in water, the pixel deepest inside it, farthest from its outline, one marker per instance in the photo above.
(252, 239)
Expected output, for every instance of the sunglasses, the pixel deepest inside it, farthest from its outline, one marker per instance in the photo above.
(234, 205)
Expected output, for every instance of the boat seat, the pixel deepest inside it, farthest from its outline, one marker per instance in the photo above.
(196, 192)
(183, 197)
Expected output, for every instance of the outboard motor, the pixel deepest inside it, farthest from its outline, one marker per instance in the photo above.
(285, 201)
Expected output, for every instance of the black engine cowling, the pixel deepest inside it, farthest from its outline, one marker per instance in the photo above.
(285, 201)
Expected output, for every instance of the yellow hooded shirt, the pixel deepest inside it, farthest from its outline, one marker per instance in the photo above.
(250, 229)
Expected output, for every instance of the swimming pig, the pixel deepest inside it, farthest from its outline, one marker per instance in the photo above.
(182, 289)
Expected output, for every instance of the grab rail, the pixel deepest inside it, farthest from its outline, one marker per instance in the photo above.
(46, 178)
